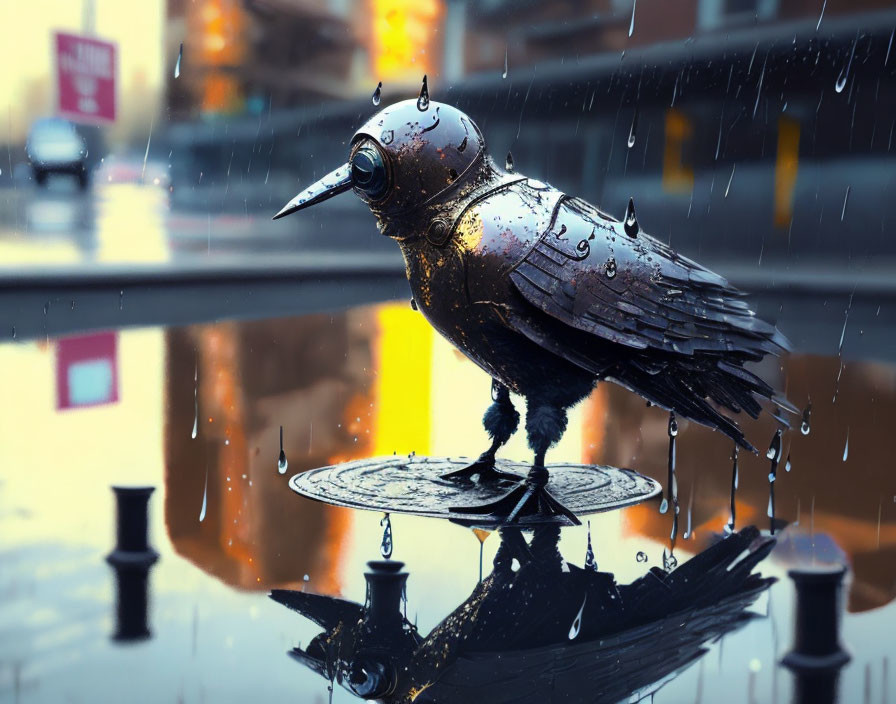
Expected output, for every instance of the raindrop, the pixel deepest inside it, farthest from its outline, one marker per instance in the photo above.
(688, 532)
(630, 223)
(504, 73)
(590, 562)
(846, 446)
(282, 463)
(577, 622)
(759, 89)
(670, 562)
(889, 46)
(508, 163)
(376, 97)
(641, 556)
(14, 334)
(632, 130)
(673, 426)
(423, 100)
(823, 5)
(631, 26)
(610, 268)
(730, 179)
(805, 427)
(195, 401)
(844, 73)
(845, 200)
(386, 544)
(774, 448)
(180, 56)
(664, 505)
(734, 482)
(204, 497)
(120, 300)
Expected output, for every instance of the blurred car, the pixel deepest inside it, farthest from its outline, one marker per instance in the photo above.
(55, 147)
(124, 168)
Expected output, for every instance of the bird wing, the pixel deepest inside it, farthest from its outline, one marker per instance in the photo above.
(589, 273)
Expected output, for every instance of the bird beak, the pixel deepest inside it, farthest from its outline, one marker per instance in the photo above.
(330, 185)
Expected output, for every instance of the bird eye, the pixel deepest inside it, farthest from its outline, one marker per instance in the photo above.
(369, 172)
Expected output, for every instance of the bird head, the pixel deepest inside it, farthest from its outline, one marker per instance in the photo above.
(408, 156)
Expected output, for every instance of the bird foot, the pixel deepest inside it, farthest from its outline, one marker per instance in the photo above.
(530, 501)
(484, 468)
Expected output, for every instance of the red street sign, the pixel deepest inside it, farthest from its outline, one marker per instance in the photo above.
(87, 370)
(85, 70)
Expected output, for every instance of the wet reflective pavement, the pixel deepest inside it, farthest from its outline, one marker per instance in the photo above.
(113, 223)
(120, 407)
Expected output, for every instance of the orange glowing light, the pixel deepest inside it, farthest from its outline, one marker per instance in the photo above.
(403, 46)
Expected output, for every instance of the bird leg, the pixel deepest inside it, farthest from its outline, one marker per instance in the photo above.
(500, 421)
(545, 425)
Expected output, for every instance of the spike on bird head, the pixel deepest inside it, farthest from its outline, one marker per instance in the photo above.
(402, 158)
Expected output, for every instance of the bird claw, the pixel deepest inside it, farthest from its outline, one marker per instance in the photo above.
(485, 469)
(529, 502)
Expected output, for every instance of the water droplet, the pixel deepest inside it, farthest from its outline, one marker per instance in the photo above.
(630, 222)
(641, 556)
(577, 622)
(787, 465)
(195, 401)
(204, 497)
(845, 201)
(664, 505)
(386, 544)
(387, 136)
(633, 130)
(844, 73)
(631, 26)
(508, 164)
(670, 562)
(423, 100)
(805, 427)
(673, 426)
(14, 333)
(282, 463)
(846, 446)
(376, 97)
(730, 179)
(774, 449)
(180, 56)
(590, 562)
(504, 73)
(610, 268)
(120, 300)
(823, 5)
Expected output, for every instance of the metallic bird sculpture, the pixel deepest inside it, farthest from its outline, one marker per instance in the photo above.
(545, 292)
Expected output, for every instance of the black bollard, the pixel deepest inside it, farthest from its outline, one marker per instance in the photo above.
(817, 654)
(385, 584)
(132, 559)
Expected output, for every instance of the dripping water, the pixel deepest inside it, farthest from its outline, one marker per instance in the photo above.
(386, 544)
(377, 94)
(774, 456)
(195, 400)
(805, 427)
(204, 497)
(423, 100)
(180, 56)
(282, 463)
(577, 622)
(734, 481)
(590, 562)
(846, 446)
(844, 73)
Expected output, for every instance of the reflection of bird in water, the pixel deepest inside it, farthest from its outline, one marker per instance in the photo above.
(545, 292)
(548, 631)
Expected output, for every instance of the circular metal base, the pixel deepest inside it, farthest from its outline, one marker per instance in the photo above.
(414, 485)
